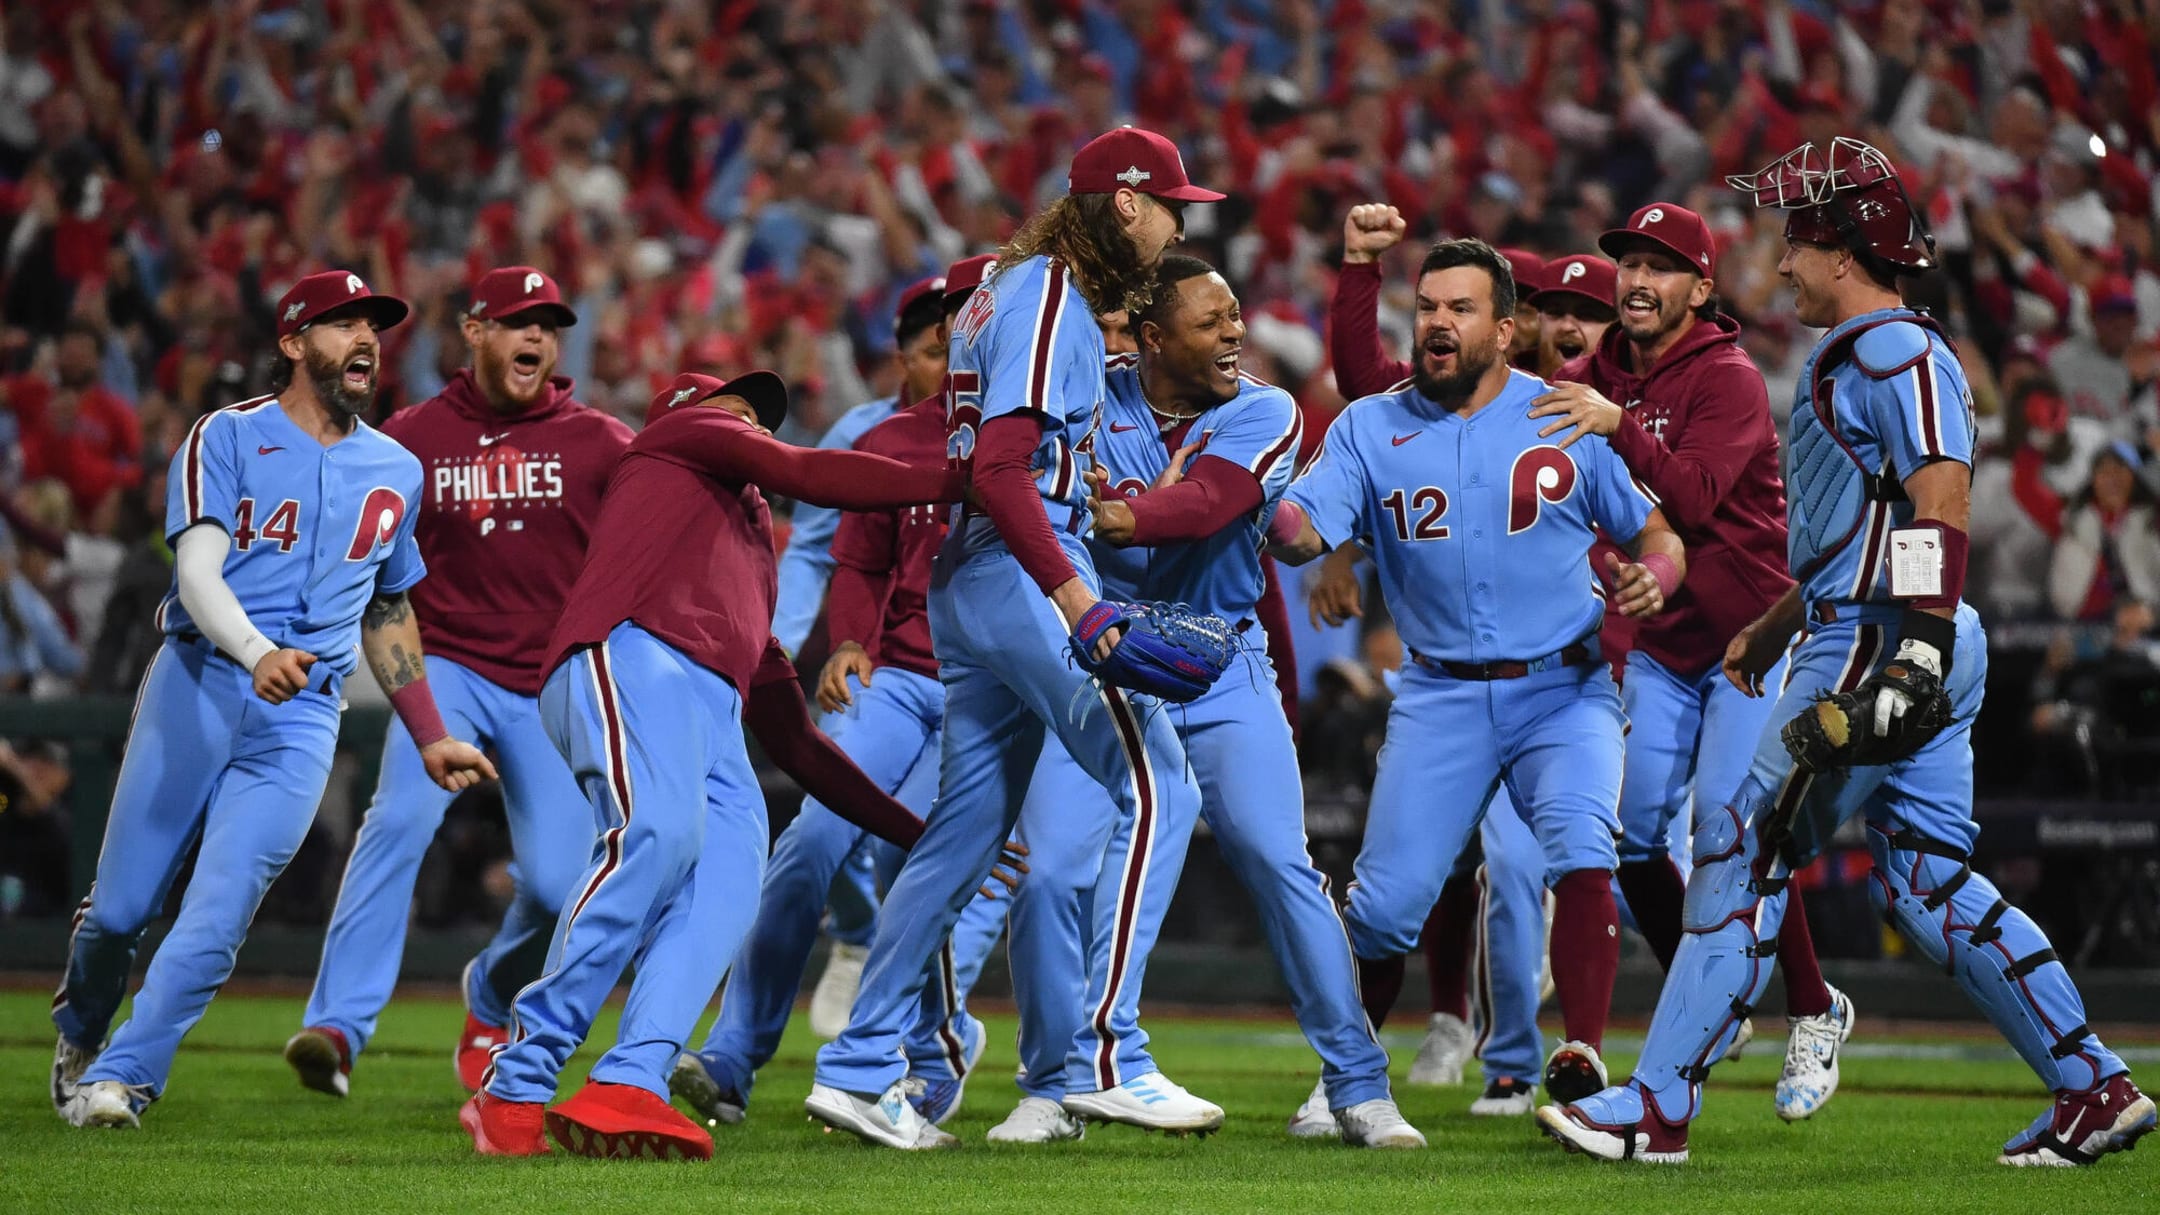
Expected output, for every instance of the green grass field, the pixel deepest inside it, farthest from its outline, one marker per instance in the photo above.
(1912, 1130)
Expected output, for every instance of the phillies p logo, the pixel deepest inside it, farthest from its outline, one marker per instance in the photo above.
(379, 519)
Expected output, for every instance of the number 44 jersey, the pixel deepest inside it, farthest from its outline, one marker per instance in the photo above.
(1480, 529)
(316, 531)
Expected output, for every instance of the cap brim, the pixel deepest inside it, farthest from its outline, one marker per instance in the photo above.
(382, 311)
(1189, 193)
(564, 318)
(1616, 242)
(766, 392)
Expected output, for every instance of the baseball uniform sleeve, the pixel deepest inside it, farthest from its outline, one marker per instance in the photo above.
(862, 578)
(1618, 504)
(1362, 366)
(1923, 413)
(403, 567)
(807, 565)
(1035, 339)
(203, 484)
(1336, 491)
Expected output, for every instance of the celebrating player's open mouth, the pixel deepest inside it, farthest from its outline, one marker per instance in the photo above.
(1438, 352)
(525, 373)
(1640, 307)
(360, 373)
(1226, 366)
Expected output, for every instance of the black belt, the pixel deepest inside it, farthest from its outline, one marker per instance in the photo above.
(321, 677)
(1574, 655)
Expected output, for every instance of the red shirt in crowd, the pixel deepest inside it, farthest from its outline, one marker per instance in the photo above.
(93, 449)
(509, 506)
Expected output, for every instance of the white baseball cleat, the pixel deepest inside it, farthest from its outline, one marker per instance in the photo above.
(1440, 1057)
(695, 1082)
(107, 1103)
(1811, 1059)
(1036, 1120)
(1505, 1097)
(886, 1119)
(834, 997)
(1314, 1120)
(69, 1062)
(1153, 1102)
(1378, 1124)
(1741, 1037)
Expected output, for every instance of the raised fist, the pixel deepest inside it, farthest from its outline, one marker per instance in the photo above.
(1370, 230)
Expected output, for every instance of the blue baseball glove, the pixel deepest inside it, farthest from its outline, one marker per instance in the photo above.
(1168, 650)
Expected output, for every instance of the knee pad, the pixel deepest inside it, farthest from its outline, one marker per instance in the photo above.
(1928, 890)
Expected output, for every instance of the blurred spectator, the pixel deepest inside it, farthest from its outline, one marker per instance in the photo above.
(2108, 552)
(37, 656)
(2097, 717)
(35, 872)
(71, 426)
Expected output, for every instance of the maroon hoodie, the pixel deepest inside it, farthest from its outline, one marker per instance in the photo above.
(508, 506)
(1699, 434)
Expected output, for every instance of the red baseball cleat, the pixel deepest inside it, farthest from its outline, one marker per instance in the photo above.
(322, 1058)
(2082, 1127)
(504, 1128)
(475, 1050)
(625, 1122)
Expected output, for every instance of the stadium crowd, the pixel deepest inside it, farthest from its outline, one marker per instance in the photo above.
(722, 184)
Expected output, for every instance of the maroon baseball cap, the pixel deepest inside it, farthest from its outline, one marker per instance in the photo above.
(323, 294)
(764, 390)
(1528, 269)
(965, 275)
(2113, 293)
(1585, 274)
(915, 293)
(1130, 158)
(514, 291)
(1667, 227)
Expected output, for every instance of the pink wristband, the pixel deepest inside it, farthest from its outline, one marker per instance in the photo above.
(415, 706)
(1289, 520)
(1661, 567)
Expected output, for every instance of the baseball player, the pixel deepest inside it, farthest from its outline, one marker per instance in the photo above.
(885, 708)
(663, 653)
(1486, 934)
(1882, 444)
(1574, 304)
(514, 467)
(1195, 538)
(1023, 394)
(1481, 533)
(806, 567)
(1696, 429)
(292, 529)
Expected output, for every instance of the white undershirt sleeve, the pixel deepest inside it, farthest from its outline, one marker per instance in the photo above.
(199, 562)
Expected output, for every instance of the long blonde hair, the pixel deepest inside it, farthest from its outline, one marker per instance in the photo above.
(1084, 232)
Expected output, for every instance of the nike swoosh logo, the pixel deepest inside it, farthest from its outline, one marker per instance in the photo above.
(1121, 428)
(1402, 439)
(264, 451)
(492, 440)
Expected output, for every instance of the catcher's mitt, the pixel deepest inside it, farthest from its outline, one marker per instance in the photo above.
(1168, 650)
(1838, 730)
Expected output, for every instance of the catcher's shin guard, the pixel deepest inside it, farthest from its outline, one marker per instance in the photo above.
(1735, 904)
(1929, 891)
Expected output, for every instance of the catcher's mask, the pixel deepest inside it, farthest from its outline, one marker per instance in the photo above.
(1849, 196)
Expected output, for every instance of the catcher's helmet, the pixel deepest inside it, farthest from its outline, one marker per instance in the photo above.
(1847, 195)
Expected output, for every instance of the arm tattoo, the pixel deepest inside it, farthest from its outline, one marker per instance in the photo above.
(402, 670)
(385, 610)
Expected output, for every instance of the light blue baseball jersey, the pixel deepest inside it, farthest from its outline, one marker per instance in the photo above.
(316, 531)
(1257, 430)
(1027, 341)
(807, 565)
(1480, 529)
(1899, 400)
